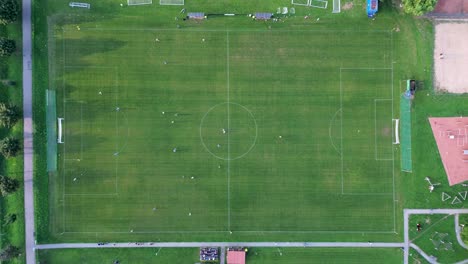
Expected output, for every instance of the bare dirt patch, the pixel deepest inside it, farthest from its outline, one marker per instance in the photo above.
(386, 131)
(348, 6)
(451, 57)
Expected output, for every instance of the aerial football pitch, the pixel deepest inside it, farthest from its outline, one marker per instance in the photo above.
(192, 131)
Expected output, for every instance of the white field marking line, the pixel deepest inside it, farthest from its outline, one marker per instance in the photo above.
(88, 67)
(221, 30)
(367, 194)
(223, 231)
(375, 130)
(116, 88)
(330, 131)
(81, 131)
(91, 194)
(368, 68)
(64, 134)
(393, 116)
(342, 117)
(228, 135)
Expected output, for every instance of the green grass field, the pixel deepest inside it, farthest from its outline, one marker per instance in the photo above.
(323, 255)
(438, 230)
(307, 144)
(124, 255)
(325, 86)
(254, 256)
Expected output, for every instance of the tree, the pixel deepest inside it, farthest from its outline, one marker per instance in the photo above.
(8, 186)
(7, 47)
(9, 219)
(9, 115)
(418, 7)
(10, 147)
(9, 252)
(9, 11)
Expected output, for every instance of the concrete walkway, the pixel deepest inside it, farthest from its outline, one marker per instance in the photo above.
(458, 231)
(222, 244)
(222, 256)
(28, 133)
(408, 212)
(429, 259)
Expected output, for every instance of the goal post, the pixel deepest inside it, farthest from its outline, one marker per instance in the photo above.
(139, 2)
(171, 2)
(59, 125)
(301, 2)
(397, 131)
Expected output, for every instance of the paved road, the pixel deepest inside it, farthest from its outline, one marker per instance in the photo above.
(28, 133)
(409, 212)
(222, 244)
(222, 256)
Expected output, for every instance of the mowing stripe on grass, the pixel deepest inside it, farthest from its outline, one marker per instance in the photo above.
(51, 119)
(405, 142)
(228, 133)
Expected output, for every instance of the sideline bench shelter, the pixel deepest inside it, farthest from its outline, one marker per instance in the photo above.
(263, 16)
(196, 15)
(82, 5)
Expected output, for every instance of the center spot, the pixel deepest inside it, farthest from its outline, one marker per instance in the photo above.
(228, 131)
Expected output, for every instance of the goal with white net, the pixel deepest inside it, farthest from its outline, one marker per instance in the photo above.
(171, 2)
(139, 2)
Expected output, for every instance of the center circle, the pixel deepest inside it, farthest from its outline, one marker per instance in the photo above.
(228, 131)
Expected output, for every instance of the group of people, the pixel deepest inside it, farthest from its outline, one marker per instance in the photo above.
(209, 254)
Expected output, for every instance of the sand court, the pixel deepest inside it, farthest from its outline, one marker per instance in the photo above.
(451, 57)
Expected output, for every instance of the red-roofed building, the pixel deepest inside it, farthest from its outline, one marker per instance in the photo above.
(235, 257)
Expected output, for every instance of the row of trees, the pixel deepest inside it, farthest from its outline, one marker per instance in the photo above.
(9, 116)
(9, 12)
(418, 7)
(9, 146)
